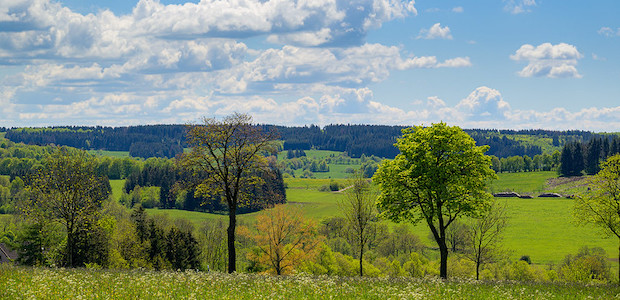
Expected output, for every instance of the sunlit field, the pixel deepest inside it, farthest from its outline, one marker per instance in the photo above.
(542, 228)
(40, 283)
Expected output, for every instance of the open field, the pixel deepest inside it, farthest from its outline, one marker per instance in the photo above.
(542, 228)
(40, 283)
(117, 154)
(529, 183)
(117, 188)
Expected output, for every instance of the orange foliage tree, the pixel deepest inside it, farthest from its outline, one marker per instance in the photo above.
(285, 238)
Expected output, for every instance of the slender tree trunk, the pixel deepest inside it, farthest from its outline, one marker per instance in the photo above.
(70, 244)
(361, 260)
(443, 267)
(232, 254)
(478, 270)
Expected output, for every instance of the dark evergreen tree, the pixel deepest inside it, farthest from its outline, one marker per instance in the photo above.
(572, 160)
(593, 156)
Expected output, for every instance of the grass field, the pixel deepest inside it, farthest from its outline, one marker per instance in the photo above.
(529, 183)
(335, 170)
(542, 228)
(117, 154)
(117, 188)
(40, 283)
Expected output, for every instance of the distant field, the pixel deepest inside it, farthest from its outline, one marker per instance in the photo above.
(542, 228)
(117, 154)
(312, 154)
(117, 188)
(335, 170)
(529, 183)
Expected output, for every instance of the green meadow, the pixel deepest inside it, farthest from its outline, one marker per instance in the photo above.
(543, 228)
(116, 154)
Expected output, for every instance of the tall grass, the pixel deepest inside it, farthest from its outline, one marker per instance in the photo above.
(39, 283)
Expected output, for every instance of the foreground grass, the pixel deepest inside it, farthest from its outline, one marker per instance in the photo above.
(39, 283)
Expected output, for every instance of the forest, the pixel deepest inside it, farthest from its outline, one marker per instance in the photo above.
(378, 140)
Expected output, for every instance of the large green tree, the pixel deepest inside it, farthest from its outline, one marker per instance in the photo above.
(600, 205)
(225, 157)
(66, 189)
(439, 176)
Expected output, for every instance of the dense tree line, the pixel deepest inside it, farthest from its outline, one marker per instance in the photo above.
(516, 163)
(150, 140)
(504, 146)
(169, 140)
(579, 157)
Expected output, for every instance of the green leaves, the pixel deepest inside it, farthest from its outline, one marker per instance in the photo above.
(440, 172)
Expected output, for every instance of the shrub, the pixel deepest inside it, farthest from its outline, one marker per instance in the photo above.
(334, 186)
(527, 259)
(589, 264)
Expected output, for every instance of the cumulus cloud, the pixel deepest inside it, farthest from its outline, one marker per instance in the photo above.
(547, 60)
(519, 6)
(436, 32)
(483, 104)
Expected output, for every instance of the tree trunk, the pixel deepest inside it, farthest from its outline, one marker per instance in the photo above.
(361, 260)
(477, 269)
(70, 244)
(443, 267)
(232, 254)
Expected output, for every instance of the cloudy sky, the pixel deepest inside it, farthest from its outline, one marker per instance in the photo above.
(479, 64)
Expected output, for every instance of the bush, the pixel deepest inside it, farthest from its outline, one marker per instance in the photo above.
(334, 186)
(589, 264)
(527, 259)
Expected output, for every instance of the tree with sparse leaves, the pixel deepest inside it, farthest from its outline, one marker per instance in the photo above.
(439, 176)
(224, 158)
(360, 211)
(484, 236)
(284, 237)
(67, 189)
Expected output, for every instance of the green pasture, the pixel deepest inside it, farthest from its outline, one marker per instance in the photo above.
(543, 228)
(116, 154)
(527, 183)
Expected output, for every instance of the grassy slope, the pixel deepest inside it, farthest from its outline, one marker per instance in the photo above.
(117, 188)
(542, 228)
(117, 154)
(335, 170)
(530, 183)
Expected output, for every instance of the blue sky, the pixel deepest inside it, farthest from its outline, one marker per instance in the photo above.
(506, 64)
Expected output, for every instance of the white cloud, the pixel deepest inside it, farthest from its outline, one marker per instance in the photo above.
(436, 32)
(458, 9)
(483, 104)
(519, 6)
(458, 62)
(609, 32)
(554, 61)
